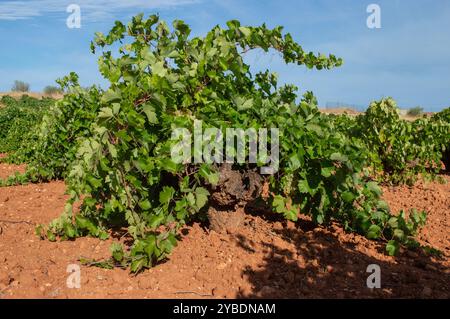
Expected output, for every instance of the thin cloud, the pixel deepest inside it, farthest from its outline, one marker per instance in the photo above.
(91, 9)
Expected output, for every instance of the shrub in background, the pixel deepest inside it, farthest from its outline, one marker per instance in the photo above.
(415, 111)
(52, 90)
(20, 86)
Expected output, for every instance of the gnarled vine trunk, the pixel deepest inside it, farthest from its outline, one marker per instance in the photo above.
(230, 196)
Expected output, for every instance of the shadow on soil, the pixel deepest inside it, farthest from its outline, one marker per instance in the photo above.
(322, 266)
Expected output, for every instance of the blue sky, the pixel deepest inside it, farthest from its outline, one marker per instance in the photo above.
(408, 58)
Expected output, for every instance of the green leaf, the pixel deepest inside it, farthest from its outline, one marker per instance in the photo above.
(201, 197)
(105, 113)
(169, 165)
(149, 110)
(243, 103)
(373, 186)
(85, 224)
(399, 234)
(206, 173)
(382, 205)
(117, 252)
(166, 195)
(190, 199)
(112, 150)
(327, 171)
(138, 263)
(111, 96)
(291, 215)
(39, 231)
(155, 221)
(145, 205)
(319, 218)
(69, 230)
(393, 222)
(51, 236)
(392, 247)
(303, 186)
(150, 245)
(374, 232)
(348, 197)
(159, 69)
(315, 128)
(338, 157)
(279, 204)
(246, 31)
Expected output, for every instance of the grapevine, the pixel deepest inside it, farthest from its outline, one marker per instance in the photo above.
(161, 79)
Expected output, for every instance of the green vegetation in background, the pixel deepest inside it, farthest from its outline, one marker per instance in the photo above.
(18, 121)
(399, 150)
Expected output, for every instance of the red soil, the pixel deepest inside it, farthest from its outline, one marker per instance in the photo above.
(266, 258)
(7, 170)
